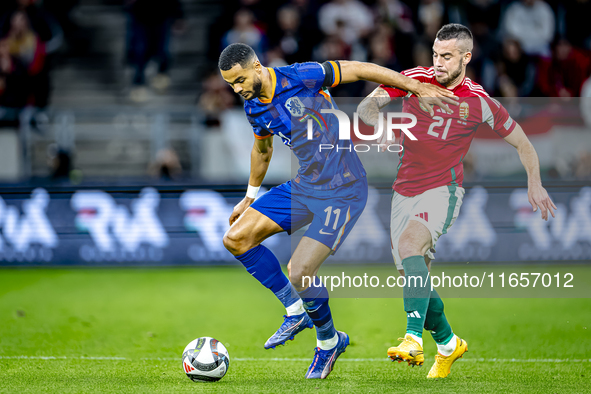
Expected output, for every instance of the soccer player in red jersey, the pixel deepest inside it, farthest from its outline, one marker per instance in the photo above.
(428, 187)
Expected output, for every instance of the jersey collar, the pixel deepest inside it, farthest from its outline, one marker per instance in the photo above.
(460, 84)
(273, 82)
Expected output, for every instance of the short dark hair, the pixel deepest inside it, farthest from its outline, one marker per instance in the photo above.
(454, 30)
(235, 54)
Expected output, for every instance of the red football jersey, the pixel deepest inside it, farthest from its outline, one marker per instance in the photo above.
(443, 140)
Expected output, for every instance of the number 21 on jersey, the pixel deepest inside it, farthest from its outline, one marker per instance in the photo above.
(439, 123)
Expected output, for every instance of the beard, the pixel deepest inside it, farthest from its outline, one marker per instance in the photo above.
(452, 76)
(257, 85)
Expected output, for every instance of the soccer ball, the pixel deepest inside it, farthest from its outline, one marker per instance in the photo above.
(205, 359)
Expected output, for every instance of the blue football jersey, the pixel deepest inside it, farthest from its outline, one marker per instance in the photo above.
(299, 95)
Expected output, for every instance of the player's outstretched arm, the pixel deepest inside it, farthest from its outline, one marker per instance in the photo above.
(353, 71)
(369, 112)
(538, 196)
(260, 157)
(369, 109)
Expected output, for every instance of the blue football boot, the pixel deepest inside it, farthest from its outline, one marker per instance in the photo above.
(292, 325)
(324, 359)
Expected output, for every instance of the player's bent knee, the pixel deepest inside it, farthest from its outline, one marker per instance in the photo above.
(414, 241)
(406, 249)
(300, 279)
(236, 243)
(230, 243)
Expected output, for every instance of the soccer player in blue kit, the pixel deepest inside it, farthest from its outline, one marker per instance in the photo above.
(329, 192)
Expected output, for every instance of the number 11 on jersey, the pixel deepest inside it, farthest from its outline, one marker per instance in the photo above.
(329, 211)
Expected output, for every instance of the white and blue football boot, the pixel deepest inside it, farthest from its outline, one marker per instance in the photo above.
(292, 325)
(324, 360)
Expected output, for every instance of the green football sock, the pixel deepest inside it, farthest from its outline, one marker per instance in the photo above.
(436, 322)
(416, 293)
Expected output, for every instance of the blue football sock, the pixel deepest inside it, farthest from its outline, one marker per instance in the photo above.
(261, 263)
(315, 300)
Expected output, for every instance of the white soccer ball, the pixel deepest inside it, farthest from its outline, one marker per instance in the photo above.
(205, 359)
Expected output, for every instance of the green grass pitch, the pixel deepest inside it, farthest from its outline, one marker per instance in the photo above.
(123, 331)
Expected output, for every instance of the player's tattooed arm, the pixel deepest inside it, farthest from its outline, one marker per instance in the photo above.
(428, 94)
(369, 109)
(369, 112)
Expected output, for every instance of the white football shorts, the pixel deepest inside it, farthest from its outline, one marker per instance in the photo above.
(436, 208)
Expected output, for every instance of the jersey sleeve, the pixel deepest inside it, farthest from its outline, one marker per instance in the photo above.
(497, 117)
(259, 132)
(421, 74)
(315, 76)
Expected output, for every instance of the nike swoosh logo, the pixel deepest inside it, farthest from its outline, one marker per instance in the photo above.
(269, 124)
(323, 233)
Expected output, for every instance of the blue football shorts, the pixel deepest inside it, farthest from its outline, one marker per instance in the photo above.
(330, 213)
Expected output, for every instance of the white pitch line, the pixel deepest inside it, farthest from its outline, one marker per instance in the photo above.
(477, 360)
(481, 360)
(62, 358)
(528, 360)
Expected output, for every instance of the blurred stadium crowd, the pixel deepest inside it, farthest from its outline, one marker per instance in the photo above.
(29, 36)
(523, 48)
(33, 31)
